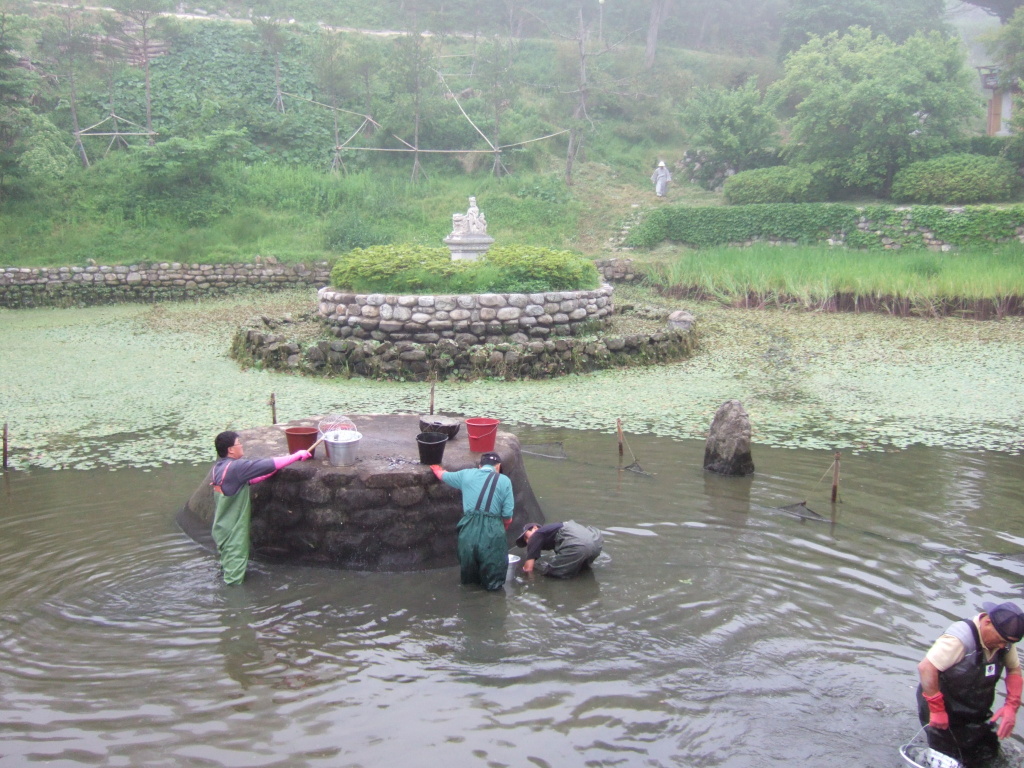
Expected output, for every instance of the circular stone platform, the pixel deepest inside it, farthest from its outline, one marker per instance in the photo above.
(387, 512)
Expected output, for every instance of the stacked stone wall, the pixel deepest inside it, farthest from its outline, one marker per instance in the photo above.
(616, 270)
(486, 318)
(92, 285)
(452, 359)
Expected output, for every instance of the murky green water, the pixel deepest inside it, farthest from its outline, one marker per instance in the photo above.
(717, 630)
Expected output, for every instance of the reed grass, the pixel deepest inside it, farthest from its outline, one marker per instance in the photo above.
(814, 275)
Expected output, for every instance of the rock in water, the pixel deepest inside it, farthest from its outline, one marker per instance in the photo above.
(727, 450)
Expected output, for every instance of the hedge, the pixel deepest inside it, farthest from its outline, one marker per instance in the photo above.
(808, 223)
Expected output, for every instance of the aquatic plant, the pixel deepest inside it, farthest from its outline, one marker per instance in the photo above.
(134, 385)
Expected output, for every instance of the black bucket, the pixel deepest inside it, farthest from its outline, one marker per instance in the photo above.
(431, 446)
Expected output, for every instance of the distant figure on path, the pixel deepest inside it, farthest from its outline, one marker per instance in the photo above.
(660, 178)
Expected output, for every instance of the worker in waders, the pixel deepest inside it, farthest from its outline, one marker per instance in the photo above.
(231, 477)
(575, 547)
(958, 684)
(487, 506)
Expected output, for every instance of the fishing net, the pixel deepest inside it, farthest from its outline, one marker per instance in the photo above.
(545, 450)
(800, 509)
(333, 422)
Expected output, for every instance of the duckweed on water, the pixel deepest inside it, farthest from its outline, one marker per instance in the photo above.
(144, 386)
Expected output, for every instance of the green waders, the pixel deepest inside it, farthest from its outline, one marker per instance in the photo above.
(483, 551)
(231, 532)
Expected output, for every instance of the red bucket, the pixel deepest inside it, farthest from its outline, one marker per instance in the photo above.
(481, 434)
(300, 438)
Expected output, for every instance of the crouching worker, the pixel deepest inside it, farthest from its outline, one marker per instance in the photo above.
(487, 506)
(575, 546)
(958, 684)
(231, 477)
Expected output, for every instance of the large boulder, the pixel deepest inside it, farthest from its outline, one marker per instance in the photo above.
(727, 450)
(386, 512)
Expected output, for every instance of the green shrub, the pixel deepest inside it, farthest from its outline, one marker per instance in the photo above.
(350, 229)
(961, 178)
(407, 269)
(780, 184)
(528, 269)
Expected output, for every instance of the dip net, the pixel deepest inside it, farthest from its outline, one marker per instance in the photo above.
(332, 422)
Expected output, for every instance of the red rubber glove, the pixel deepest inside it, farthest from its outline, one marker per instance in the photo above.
(437, 469)
(1008, 712)
(937, 706)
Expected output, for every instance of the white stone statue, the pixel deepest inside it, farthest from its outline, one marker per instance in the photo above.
(472, 222)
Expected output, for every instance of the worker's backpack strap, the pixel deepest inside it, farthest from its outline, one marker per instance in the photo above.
(489, 487)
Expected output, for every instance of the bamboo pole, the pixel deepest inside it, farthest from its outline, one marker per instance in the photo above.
(835, 478)
(618, 428)
(272, 402)
(432, 397)
(5, 446)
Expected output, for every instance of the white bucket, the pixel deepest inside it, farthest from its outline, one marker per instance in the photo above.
(513, 563)
(342, 447)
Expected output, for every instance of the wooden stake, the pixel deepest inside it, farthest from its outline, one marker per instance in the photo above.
(618, 428)
(5, 446)
(835, 478)
(272, 402)
(432, 398)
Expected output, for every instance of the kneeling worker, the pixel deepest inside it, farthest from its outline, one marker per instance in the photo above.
(576, 547)
(487, 506)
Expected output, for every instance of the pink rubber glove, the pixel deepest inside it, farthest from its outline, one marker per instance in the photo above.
(1007, 714)
(437, 469)
(937, 706)
(284, 461)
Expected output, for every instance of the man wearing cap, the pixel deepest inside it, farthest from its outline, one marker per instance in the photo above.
(575, 546)
(958, 684)
(487, 506)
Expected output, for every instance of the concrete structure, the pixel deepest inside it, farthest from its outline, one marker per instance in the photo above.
(387, 512)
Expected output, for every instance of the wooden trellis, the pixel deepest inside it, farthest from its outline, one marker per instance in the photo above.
(117, 136)
(367, 119)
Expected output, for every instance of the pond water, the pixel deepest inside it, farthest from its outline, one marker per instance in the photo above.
(716, 630)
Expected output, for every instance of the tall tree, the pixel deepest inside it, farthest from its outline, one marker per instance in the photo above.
(270, 35)
(1004, 9)
(68, 43)
(138, 21)
(896, 19)
(14, 88)
(865, 106)
(659, 10)
(495, 71)
(1006, 45)
(414, 96)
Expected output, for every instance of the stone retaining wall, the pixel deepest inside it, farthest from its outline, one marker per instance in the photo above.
(616, 270)
(263, 345)
(86, 286)
(467, 319)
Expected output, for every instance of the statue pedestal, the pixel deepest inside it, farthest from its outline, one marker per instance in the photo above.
(468, 247)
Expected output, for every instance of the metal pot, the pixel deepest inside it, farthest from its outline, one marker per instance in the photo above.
(342, 447)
